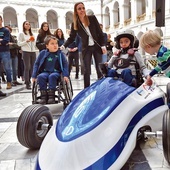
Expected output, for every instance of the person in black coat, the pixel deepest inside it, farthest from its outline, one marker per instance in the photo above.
(73, 56)
(88, 28)
(43, 32)
(14, 57)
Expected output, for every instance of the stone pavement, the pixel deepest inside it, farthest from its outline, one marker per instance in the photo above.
(13, 156)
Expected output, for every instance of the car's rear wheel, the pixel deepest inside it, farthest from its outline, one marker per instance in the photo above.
(168, 93)
(166, 135)
(33, 125)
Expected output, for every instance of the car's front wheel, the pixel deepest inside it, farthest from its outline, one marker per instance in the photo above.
(33, 125)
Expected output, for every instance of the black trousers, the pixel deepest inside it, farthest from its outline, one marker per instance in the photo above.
(73, 56)
(87, 57)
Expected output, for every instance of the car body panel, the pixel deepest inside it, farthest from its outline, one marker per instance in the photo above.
(98, 130)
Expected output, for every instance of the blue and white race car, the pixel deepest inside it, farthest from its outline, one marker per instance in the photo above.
(99, 128)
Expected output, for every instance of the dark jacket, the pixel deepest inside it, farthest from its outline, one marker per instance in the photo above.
(5, 36)
(60, 41)
(75, 43)
(40, 42)
(95, 30)
(14, 47)
(61, 65)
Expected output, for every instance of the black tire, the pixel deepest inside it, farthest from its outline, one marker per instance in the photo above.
(29, 131)
(103, 69)
(68, 91)
(168, 93)
(35, 93)
(166, 135)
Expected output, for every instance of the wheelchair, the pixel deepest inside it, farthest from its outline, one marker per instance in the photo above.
(63, 93)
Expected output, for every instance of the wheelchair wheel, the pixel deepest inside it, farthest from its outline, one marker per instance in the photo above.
(33, 125)
(35, 93)
(168, 92)
(68, 91)
(103, 69)
(166, 136)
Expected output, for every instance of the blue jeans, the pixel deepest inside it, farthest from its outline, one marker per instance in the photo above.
(126, 75)
(6, 60)
(104, 58)
(14, 64)
(45, 78)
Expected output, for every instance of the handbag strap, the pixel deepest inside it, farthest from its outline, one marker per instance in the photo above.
(82, 26)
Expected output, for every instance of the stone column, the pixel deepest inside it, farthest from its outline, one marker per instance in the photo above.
(121, 15)
(133, 11)
(41, 18)
(21, 17)
(111, 20)
(62, 22)
(148, 10)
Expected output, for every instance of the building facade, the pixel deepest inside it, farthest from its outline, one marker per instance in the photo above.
(115, 15)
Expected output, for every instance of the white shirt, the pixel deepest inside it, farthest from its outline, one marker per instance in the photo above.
(26, 46)
(91, 41)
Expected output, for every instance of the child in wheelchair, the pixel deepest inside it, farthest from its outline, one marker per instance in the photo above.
(47, 69)
(127, 64)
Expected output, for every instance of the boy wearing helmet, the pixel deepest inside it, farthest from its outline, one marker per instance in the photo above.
(127, 60)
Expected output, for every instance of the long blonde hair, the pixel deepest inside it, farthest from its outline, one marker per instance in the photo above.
(76, 17)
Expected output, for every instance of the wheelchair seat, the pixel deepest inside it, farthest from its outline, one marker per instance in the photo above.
(63, 92)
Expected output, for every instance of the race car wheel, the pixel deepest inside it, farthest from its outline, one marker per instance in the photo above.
(33, 125)
(168, 93)
(166, 135)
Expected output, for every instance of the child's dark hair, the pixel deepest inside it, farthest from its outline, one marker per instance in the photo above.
(48, 38)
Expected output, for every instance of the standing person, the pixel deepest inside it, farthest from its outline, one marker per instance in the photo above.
(14, 57)
(20, 65)
(61, 39)
(91, 34)
(60, 36)
(150, 41)
(48, 68)
(73, 56)
(80, 54)
(27, 42)
(5, 53)
(104, 56)
(1, 93)
(43, 32)
(109, 47)
(2, 72)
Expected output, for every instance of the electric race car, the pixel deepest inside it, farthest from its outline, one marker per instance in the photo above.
(99, 128)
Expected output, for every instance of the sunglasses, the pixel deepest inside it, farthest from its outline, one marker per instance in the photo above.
(80, 8)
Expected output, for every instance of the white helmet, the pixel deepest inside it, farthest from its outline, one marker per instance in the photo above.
(127, 33)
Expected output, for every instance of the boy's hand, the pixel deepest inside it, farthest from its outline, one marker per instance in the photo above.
(62, 48)
(66, 79)
(148, 81)
(34, 80)
(106, 64)
(104, 50)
